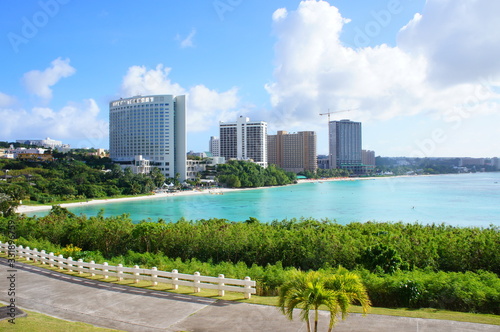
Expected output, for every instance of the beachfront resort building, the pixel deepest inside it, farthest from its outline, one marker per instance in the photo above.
(214, 146)
(46, 143)
(294, 152)
(244, 140)
(147, 132)
(345, 145)
(368, 157)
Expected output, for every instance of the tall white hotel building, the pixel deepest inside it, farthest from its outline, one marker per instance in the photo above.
(149, 131)
(244, 140)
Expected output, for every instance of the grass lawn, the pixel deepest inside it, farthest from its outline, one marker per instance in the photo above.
(427, 313)
(42, 323)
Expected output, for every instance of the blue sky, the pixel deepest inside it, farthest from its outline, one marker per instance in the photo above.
(422, 76)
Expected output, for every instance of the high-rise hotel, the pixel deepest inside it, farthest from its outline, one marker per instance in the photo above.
(345, 145)
(244, 140)
(149, 131)
(294, 152)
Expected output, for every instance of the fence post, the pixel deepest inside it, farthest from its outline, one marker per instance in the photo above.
(105, 270)
(154, 276)
(59, 263)
(42, 257)
(27, 253)
(51, 259)
(35, 255)
(136, 274)
(70, 264)
(196, 282)
(92, 269)
(80, 267)
(248, 288)
(221, 284)
(120, 272)
(175, 279)
(19, 252)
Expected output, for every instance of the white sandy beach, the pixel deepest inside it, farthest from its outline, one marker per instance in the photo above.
(34, 208)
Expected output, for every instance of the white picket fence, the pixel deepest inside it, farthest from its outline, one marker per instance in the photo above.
(246, 286)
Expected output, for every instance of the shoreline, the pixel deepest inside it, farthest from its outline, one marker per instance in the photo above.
(35, 208)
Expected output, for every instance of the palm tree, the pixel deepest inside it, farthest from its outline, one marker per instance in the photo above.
(348, 288)
(308, 291)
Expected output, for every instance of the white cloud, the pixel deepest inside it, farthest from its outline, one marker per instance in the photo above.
(40, 82)
(75, 121)
(457, 37)
(205, 106)
(188, 41)
(315, 71)
(140, 81)
(280, 14)
(6, 100)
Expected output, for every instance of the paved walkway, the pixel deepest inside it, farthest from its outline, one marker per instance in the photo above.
(133, 309)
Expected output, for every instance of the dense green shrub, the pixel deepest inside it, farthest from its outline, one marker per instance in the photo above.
(305, 243)
(467, 291)
(383, 258)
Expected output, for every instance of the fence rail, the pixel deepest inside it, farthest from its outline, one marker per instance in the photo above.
(174, 278)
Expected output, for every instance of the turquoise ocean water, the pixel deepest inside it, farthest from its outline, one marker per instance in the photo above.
(458, 199)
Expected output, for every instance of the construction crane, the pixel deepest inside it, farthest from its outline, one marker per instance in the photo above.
(328, 113)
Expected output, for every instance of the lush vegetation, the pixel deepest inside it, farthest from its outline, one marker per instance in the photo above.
(325, 173)
(408, 265)
(304, 244)
(69, 179)
(238, 173)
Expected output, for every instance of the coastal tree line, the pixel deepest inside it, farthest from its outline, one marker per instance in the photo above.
(409, 265)
(66, 180)
(238, 173)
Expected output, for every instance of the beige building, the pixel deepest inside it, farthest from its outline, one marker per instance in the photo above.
(368, 157)
(293, 152)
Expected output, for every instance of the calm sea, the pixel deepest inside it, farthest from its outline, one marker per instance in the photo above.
(458, 199)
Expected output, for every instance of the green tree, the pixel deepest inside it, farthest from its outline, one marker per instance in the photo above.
(382, 257)
(61, 187)
(7, 205)
(157, 177)
(10, 197)
(347, 288)
(309, 291)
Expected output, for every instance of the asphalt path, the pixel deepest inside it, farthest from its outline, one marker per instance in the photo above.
(136, 309)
